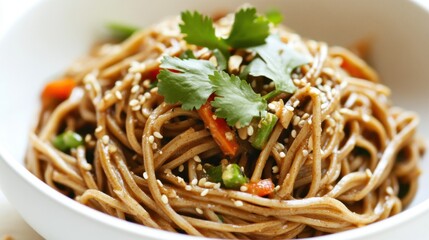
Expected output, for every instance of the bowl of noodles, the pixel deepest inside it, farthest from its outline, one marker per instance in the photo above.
(193, 120)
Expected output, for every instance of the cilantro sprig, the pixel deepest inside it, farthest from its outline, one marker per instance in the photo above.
(191, 82)
(248, 30)
(277, 61)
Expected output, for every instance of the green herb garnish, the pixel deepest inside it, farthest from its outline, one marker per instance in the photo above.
(121, 31)
(67, 141)
(274, 16)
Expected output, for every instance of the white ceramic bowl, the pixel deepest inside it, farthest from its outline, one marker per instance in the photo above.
(54, 33)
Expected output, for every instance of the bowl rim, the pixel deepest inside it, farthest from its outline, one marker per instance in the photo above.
(136, 229)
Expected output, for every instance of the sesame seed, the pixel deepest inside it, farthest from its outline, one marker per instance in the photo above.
(238, 203)
(197, 158)
(319, 81)
(204, 193)
(142, 99)
(135, 88)
(214, 117)
(112, 149)
(181, 168)
(238, 125)
(154, 146)
(133, 103)
(137, 77)
(199, 167)
(180, 180)
(305, 116)
(216, 186)
(305, 152)
(366, 118)
(105, 139)
(325, 105)
(297, 82)
(289, 108)
(293, 133)
(154, 90)
(151, 139)
(275, 169)
(147, 95)
(88, 138)
(157, 135)
(296, 120)
(277, 188)
(146, 83)
(199, 211)
(272, 106)
(194, 181)
(209, 184)
(188, 188)
(145, 176)
(310, 121)
(301, 123)
(118, 95)
(159, 183)
(229, 136)
(243, 188)
(164, 199)
(202, 181)
(296, 103)
(282, 155)
(108, 96)
(136, 108)
(250, 130)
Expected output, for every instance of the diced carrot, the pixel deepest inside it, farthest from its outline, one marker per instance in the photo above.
(261, 188)
(221, 132)
(59, 89)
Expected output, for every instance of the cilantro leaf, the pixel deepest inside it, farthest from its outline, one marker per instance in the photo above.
(199, 30)
(274, 16)
(189, 84)
(277, 61)
(235, 99)
(248, 29)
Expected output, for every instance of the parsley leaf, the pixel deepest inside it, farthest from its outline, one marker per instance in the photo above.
(235, 99)
(277, 61)
(248, 29)
(199, 30)
(189, 84)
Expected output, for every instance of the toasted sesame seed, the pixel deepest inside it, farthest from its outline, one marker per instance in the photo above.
(238, 125)
(157, 135)
(250, 130)
(310, 121)
(154, 146)
(136, 108)
(296, 103)
(112, 149)
(282, 155)
(180, 179)
(243, 188)
(88, 138)
(297, 81)
(214, 117)
(277, 188)
(137, 77)
(229, 136)
(293, 133)
(151, 139)
(194, 181)
(301, 123)
(146, 83)
(147, 95)
(202, 181)
(108, 95)
(238, 203)
(289, 108)
(272, 106)
(305, 152)
(118, 95)
(197, 158)
(133, 102)
(275, 169)
(164, 199)
(199, 167)
(135, 88)
(154, 90)
(199, 211)
(296, 120)
(204, 193)
(305, 116)
(188, 188)
(366, 118)
(209, 184)
(181, 168)
(105, 139)
(159, 183)
(216, 186)
(145, 176)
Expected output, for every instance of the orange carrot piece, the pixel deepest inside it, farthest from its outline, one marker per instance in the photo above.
(261, 188)
(59, 89)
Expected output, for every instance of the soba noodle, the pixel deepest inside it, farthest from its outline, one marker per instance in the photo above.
(341, 155)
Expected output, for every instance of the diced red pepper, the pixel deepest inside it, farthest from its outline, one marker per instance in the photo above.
(221, 132)
(261, 188)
